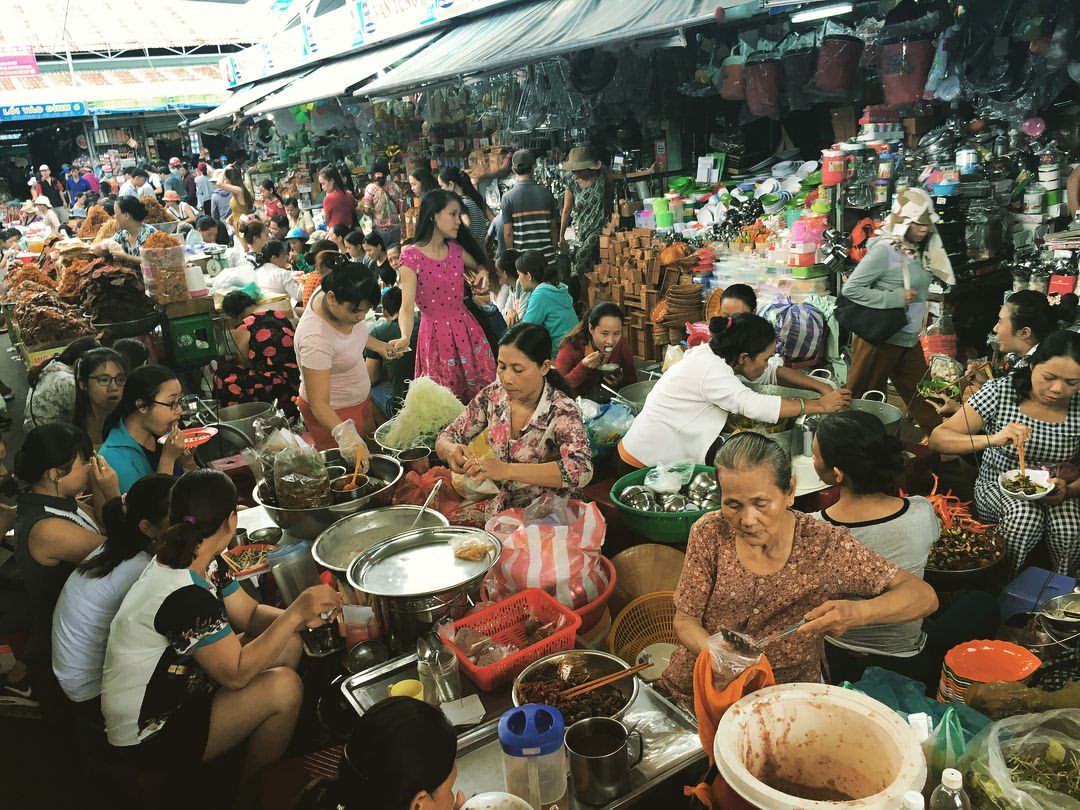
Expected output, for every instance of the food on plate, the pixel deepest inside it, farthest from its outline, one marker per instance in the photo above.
(547, 683)
(472, 549)
(1023, 485)
(248, 558)
(938, 389)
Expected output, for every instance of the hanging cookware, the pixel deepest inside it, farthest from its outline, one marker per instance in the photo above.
(732, 87)
(415, 579)
(761, 79)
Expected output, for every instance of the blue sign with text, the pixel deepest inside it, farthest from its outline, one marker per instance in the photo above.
(27, 112)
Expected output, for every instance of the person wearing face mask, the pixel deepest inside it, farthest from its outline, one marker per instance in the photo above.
(757, 566)
(534, 427)
(53, 532)
(596, 342)
(142, 434)
(330, 341)
(896, 272)
(1036, 406)
(689, 406)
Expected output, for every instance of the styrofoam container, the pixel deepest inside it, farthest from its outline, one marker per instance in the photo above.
(820, 736)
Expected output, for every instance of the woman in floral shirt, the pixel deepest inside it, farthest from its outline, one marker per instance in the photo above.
(535, 429)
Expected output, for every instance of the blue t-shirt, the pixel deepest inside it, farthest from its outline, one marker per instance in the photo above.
(129, 458)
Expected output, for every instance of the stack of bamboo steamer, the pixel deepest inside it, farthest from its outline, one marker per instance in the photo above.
(684, 305)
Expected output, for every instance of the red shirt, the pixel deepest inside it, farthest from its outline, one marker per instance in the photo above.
(583, 379)
(338, 209)
(274, 206)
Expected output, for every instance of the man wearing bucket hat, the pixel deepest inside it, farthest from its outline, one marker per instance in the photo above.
(895, 275)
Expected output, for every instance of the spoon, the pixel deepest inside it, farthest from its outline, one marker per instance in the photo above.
(423, 509)
(349, 487)
(616, 395)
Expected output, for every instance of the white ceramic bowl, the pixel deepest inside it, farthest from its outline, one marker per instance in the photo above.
(496, 800)
(1040, 477)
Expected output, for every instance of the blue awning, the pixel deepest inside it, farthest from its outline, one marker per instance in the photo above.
(520, 35)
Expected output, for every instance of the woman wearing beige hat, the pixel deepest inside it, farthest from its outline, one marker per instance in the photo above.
(896, 273)
(586, 204)
(47, 215)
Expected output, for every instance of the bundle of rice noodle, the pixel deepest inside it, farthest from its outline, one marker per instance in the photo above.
(428, 408)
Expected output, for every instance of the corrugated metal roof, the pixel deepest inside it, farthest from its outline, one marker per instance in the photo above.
(96, 85)
(98, 25)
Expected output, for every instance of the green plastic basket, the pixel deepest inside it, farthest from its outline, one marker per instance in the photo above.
(672, 528)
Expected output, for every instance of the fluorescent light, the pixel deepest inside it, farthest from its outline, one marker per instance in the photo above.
(821, 12)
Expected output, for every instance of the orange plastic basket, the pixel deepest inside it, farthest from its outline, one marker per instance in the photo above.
(504, 622)
(647, 620)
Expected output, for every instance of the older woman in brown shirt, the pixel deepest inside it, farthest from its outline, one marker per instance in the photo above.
(758, 567)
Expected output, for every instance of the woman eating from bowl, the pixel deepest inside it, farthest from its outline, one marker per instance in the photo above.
(94, 591)
(756, 566)
(330, 341)
(591, 350)
(1036, 408)
(100, 377)
(535, 430)
(178, 687)
(53, 533)
(689, 406)
(149, 410)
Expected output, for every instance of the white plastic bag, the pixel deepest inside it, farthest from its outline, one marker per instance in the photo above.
(669, 478)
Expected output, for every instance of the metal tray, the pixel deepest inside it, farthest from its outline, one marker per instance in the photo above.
(669, 731)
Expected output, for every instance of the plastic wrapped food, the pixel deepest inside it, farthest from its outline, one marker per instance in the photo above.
(731, 653)
(300, 478)
(165, 273)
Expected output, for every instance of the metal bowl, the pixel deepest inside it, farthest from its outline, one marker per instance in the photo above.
(307, 524)
(598, 663)
(1052, 615)
(337, 547)
(636, 393)
(339, 493)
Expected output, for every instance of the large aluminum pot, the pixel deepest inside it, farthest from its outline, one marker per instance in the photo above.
(889, 415)
(635, 394)
(414, 580)
(243, 416)
(737, 422)
(307, 524)
(338, 546)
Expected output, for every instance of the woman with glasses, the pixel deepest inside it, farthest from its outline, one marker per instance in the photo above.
(53, 532)
(51, 394)
(142, 434)
(100, 376)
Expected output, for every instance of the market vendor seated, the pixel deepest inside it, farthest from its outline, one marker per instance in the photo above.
(738, 299)
(1037, 409)
(689, 406)
(178, 686)
(756, 566)
(595, 343)
(149, 409)
(534, 429)
(126, 245)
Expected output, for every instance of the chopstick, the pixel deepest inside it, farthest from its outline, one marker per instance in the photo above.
(229, 561)
(605, 680)
(1020, 454)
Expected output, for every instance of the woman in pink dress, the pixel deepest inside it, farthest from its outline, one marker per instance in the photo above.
(451, 346)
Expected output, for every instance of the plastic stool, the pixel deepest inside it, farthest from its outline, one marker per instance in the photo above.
(1020, 595)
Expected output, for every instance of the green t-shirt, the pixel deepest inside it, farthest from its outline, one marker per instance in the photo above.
(402, 369)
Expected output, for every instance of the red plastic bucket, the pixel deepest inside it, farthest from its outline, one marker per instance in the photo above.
(798, 69)
(837, 64)
(762, 81)
(905, 64)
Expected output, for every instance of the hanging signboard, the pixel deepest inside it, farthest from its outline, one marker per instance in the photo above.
(27, 112)
(17, 60)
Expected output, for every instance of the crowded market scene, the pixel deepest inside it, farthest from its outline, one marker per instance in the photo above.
(551, 404)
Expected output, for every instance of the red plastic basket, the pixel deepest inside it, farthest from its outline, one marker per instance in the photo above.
(591, 612)
(504, 622)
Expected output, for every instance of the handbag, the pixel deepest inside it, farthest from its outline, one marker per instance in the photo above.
(872, 325)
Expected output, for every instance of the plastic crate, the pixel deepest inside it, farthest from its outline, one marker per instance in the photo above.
(504, 622)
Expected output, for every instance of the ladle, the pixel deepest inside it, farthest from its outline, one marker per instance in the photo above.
(427, 500)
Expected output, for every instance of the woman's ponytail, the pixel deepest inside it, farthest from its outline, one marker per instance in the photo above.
(200, 502)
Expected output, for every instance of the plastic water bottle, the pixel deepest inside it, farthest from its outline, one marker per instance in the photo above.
(950, 795)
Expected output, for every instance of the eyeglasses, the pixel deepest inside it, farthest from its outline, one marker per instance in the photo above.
(105, 380)
(175, 405)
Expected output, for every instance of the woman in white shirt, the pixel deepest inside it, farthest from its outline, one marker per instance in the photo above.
(274, 275)
(94, 591)
(686, 411)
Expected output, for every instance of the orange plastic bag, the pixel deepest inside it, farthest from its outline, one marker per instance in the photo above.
(710, 704)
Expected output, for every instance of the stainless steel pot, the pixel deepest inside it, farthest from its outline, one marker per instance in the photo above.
(635, 393)
(781, 431)
(889, 415)
(307, 524)
(338, 546)
(243, 416)
(414, 580)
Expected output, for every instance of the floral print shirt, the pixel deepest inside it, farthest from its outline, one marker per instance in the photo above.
(555, 432)
(122, 238)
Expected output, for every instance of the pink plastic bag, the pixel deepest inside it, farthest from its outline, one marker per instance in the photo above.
(554, 544)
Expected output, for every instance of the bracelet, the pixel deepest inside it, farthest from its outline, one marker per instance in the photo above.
(802, 407)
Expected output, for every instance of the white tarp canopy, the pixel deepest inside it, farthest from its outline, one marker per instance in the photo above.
(90, 86)
(520, 35)
(335, 78)
(240, 99)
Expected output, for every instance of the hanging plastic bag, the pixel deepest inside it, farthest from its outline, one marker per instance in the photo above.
(732, 87)
(554, 544)
(761, 80)
(1027, 761)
